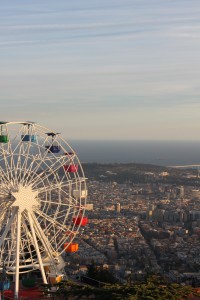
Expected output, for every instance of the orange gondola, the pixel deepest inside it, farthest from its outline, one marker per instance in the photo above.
(70, 248)
(53, 279)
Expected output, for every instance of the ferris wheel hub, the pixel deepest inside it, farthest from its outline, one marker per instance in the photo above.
(25, 198)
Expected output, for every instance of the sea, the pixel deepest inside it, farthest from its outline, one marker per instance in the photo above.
(161, 153)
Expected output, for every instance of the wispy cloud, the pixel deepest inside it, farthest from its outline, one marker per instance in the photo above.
(108, 57)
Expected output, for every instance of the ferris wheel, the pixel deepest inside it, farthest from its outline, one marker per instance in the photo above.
(42, 200)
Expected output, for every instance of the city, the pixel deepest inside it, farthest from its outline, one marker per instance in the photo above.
(144, 228)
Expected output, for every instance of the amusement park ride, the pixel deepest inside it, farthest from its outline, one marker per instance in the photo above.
(42, 202)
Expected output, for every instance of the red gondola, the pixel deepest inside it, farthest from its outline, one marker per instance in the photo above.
(80, 220)
(71, 168)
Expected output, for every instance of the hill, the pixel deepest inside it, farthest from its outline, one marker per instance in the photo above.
(137, 173)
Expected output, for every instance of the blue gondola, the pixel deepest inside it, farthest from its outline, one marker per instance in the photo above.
(4, 285)
(53, 147)
(28, 138)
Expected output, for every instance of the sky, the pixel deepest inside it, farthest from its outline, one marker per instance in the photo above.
(102, 70)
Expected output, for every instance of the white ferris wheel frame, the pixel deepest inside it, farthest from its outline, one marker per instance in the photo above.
(39, 196)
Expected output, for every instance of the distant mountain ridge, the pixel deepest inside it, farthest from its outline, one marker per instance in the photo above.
(121, 172)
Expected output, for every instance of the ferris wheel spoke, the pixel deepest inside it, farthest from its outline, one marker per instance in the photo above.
(51, 170)
(40, 233)
(59, 238)
(42, 160)
(24, 168)
(50, 188)
(12, 163)
(4, 191)
(19, 163)
(5, 172)
(7, 228)
(68, 238)
(9, 257)
(22, 245)
(67, 202)
(18, 151)
(23, 149)
(6, 163)
(51, 220)
(63, 204)
(29, 170)
(5, 184)
(26, 160)
(62, 215)
(64, 185)
(3, 217)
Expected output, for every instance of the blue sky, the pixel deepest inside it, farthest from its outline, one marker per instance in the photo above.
(109, 69)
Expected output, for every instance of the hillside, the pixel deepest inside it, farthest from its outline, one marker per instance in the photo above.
(138, 173)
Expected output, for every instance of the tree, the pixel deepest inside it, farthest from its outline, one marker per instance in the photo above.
(152, 289)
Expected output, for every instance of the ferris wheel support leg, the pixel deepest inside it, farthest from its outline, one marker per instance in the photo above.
(17, 253)
(37, 249)
(44, 241)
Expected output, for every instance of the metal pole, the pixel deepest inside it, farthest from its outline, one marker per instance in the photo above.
(2, 292)
(17, 254)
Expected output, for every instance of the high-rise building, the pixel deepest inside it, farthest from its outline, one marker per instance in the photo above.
(89, 206)
(182, 192)
(117, 207)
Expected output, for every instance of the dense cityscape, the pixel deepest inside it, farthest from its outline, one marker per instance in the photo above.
(137, 229)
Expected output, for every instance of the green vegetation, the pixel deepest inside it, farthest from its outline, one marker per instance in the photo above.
(152, 289)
